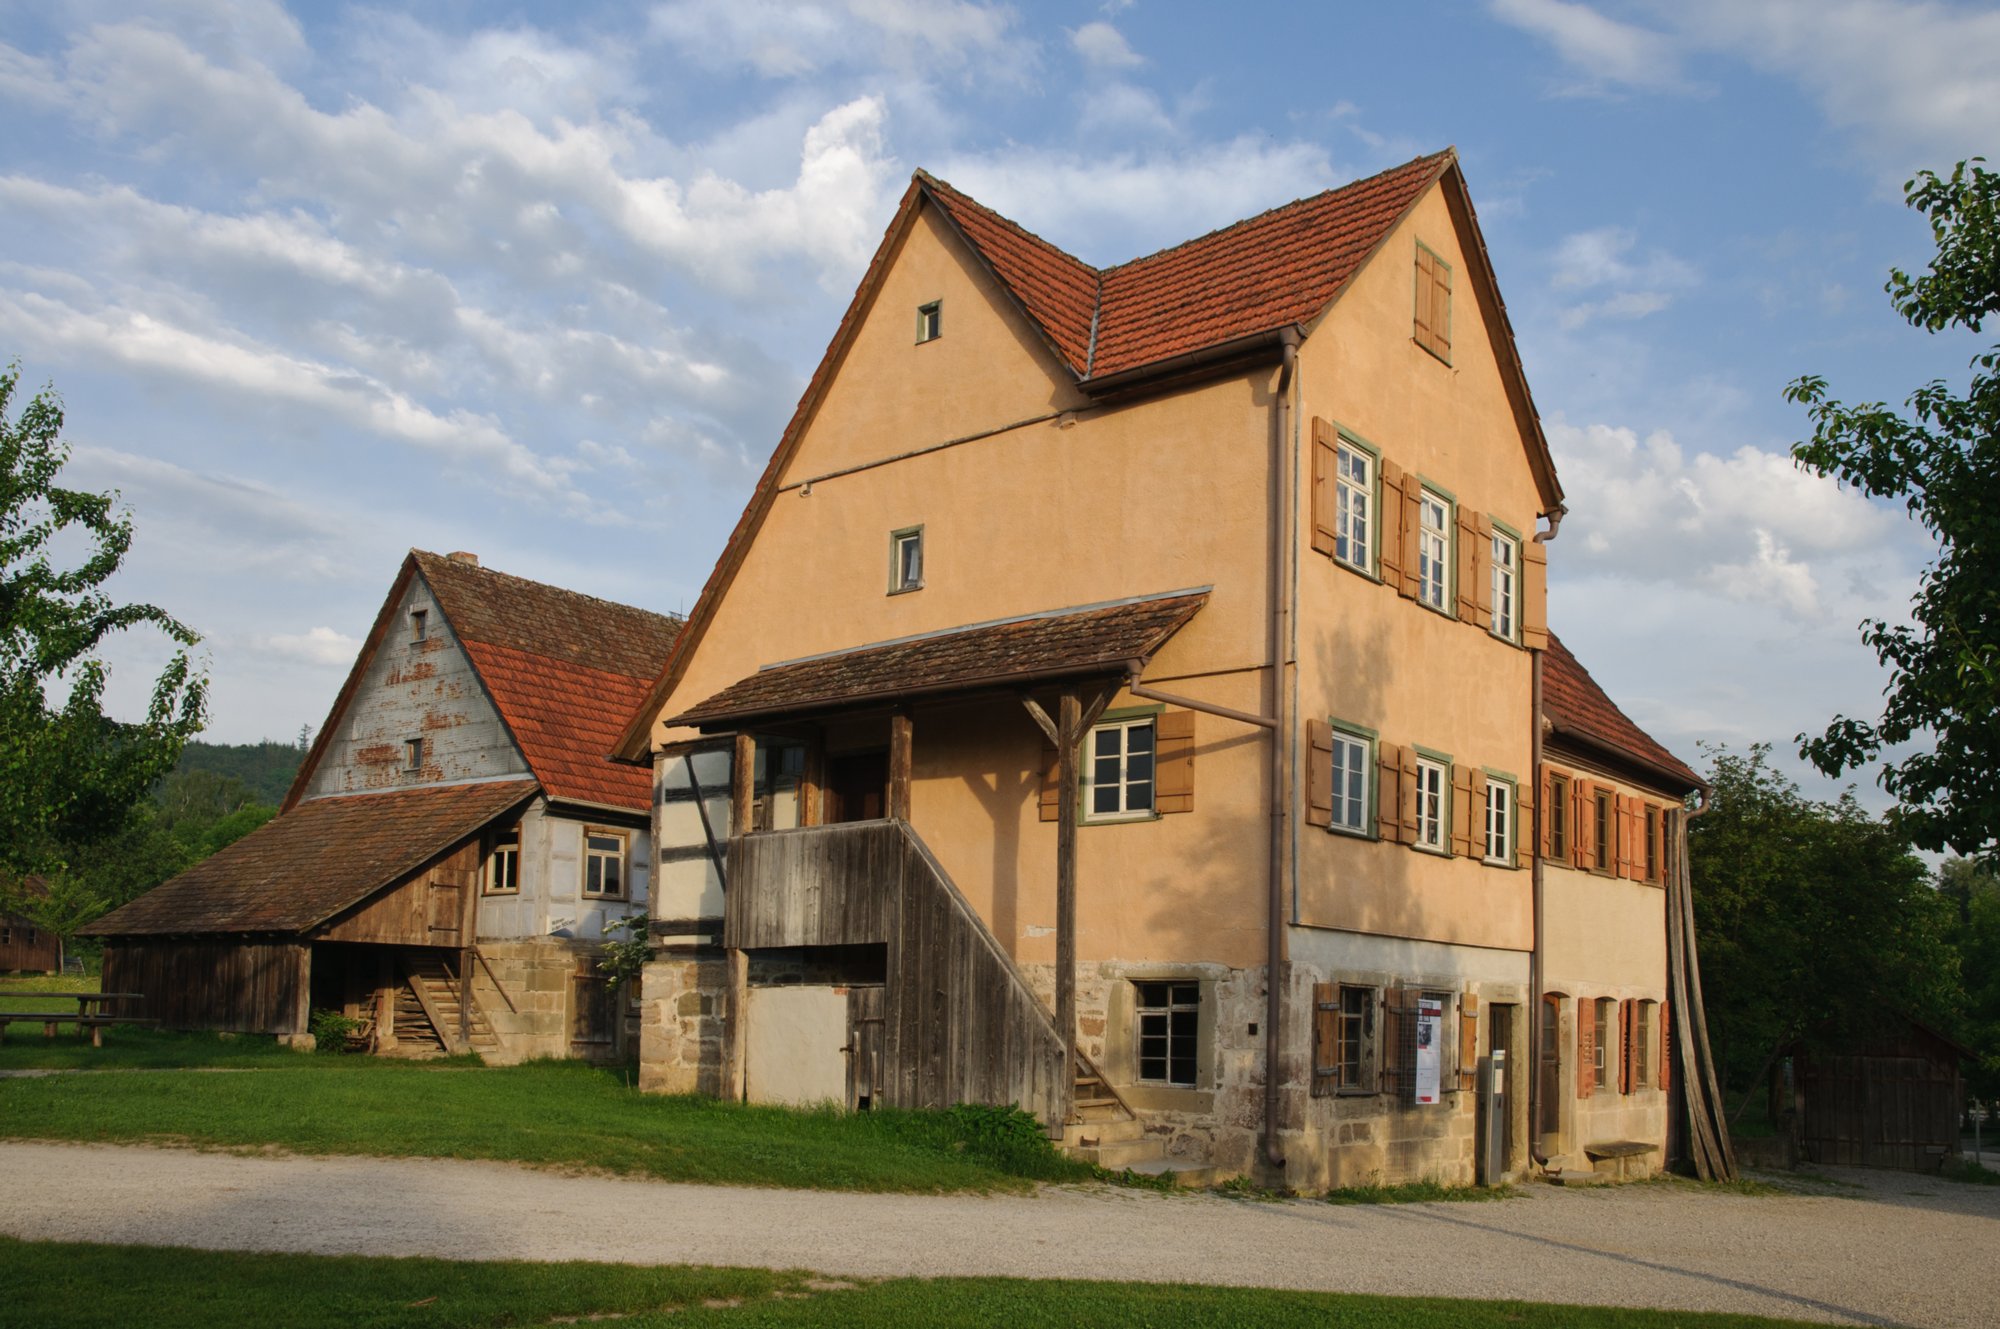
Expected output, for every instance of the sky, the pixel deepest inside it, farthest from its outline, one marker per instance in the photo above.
(319, 283)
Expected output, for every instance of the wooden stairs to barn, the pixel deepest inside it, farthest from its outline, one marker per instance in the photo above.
(427, 1013)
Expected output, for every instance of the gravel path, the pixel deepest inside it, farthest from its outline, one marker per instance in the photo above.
(1879, 1249)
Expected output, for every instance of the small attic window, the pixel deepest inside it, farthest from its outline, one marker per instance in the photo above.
(930, 321)
(413, 754)
(420, 621)
(906, 560)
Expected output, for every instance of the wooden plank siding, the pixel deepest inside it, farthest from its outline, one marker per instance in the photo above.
(961, 1024)
(426, 909)
(1886, 1109)
(239, 985)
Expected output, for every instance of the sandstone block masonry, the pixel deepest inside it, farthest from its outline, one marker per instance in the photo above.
(681, 1023)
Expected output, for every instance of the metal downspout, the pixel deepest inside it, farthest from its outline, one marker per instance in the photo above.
(1274, 960)
(1535, 956)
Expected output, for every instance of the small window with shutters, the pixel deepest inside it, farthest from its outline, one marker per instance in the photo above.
(1643, 1045)
(1557, 805)
(1344, 1039)
(1652, 844)
(1604, 824)
(1506, 590)
(1353, 765)
(1433, 795)
(1118, 770)
(1434, 559)
(1433, 300)
(1601, 1016)
(1354, 506)
(1500, 817)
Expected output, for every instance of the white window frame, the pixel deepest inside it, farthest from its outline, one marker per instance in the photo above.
(1434, 551)
(1506, 586)
(592, 854)
(901, 580)
(506, 849)
(1139, 1013)
(930, 321)
(1352, 744)
(413, 755)
(1354, 506)
(1501, 807)
(1088, 784)
(1433, 805)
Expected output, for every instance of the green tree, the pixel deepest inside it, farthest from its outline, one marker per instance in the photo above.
(1973, 894)
(1818, 923)
(70, 776)
(1941, 460)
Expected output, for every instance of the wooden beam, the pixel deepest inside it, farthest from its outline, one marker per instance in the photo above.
(1041, 719)
(813, 780)
(734, 1083)
(899, 764)
(742, 784)
(1070, 730)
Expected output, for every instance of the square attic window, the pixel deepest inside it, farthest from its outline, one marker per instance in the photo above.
(930, 321)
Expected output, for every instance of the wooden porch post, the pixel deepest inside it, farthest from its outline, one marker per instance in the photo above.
(468, 937)
(1069, 725)
(742, 803)
(899, 764)
(813, 781)
(743, 785)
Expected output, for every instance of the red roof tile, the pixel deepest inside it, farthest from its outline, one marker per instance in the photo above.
(1578, 707)
(318, 860)
(1275, 269)
(1072, 643)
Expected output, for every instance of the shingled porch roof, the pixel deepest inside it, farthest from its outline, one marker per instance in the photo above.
(1091, 641)
(320, 859)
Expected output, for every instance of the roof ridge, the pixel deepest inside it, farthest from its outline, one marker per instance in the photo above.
(1357, 182)
(458, 565)
(1001, 217)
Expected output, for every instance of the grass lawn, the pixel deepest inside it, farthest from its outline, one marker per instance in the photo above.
(125, 1046)
(554, 1113)
(61, 1286)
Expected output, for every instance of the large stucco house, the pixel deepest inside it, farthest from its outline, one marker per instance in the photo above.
(1120, 697)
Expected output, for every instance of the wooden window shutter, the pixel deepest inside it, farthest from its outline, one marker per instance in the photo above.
(1326, 1039)
(1583, 824)
(1319, 773)
(1666, 1045)
(1524, 823)
(1389, 508)
(1413, 524)
(1432, 328)
(1547, 804)
(1586, 1048)
(1534, 595)
(1628, 1027)
(1398, 1072)
(1406, 802)
(1470, 562)
(1468, 1041)
(1051, 809)
(1468, 822)
(1482, 570)
(1631, 848)
(1173, 790)
(1323, 498)
(1389, 792)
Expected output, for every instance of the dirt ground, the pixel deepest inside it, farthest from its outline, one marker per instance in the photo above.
(1852, 1247)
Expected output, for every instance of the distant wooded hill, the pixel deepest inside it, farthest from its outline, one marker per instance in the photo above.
(266, 769)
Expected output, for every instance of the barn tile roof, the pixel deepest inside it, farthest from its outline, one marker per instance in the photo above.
(564, 670)
(318, 860)
(1068, 643)
(1577, 707)
(1275, 269)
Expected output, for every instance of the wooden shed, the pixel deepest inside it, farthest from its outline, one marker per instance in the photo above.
(26, 948)
(1892, 1102)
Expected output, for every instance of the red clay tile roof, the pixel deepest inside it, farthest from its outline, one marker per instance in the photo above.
(1578, 707)
(1071, 643)
(1278, 268)
(321, 858)
(564, 669)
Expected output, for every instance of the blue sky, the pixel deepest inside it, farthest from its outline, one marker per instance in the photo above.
(320, 283)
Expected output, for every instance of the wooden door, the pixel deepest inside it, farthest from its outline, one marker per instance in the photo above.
(856, 786)
(1500, 1039)
(1548, 1086)
(447, 903)
(864, 1046)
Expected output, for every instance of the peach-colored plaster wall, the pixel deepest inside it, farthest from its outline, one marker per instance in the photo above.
(1368, 656)
(1160, 495)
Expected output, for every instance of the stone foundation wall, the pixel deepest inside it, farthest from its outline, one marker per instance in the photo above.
(684, 998)
(540, 977)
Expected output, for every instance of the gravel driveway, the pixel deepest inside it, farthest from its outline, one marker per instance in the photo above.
(1871, 1248)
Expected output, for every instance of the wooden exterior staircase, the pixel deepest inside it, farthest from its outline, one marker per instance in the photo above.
(427, 1011)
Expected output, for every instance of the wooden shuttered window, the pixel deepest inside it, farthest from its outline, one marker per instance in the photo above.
(1326, 443)
(1433, 304)
(1534, 595)
(1472, 564)
(1524, 823)
(1482, 588)
(1399, 522)
(1666, 1045)
(1173, 790)
(1468, 1042)
(1628, 1031)
(1319, 773)
(1326, 1039)
(1583, 824)
(1468, 819)
(1586, 1048)
(1398, 1042)
(1392, 770)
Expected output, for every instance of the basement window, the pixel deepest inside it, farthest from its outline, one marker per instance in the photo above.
(1169, 1032)
(419, 624)
(413, 754)
(930, 321)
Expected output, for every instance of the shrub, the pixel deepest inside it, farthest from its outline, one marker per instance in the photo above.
(331, 1030)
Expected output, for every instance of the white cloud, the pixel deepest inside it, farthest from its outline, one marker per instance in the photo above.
(790, 40)
(1103, 45)
(320, 646)
(1641, 284)
(1608, 53)
(1748, 524)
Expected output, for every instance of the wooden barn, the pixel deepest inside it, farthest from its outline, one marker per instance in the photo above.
(456, 847)
(26, 948)
(1891, 1102)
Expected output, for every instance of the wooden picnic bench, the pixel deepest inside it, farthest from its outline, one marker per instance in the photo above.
(83, 1018)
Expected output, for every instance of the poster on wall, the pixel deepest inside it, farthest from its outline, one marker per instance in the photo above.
(1430, 1027)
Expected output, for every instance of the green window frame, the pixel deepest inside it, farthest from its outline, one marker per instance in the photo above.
(1440, 763)
(1505, 818)
(1353, 743)
(1125, 719)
